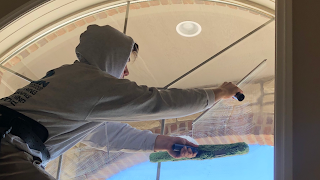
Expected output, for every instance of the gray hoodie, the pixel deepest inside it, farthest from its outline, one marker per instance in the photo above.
(86, 101)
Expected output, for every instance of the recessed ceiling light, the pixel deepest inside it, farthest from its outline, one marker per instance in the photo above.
(188, 28)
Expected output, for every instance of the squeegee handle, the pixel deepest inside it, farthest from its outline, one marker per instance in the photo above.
(178, 147)
(239, 96)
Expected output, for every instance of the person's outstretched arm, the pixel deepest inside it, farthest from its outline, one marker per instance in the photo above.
(124, 99)
(123, 137)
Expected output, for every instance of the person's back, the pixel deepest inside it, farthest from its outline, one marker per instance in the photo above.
(65, 98)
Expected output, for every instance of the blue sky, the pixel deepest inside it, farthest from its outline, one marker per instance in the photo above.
(257, 164)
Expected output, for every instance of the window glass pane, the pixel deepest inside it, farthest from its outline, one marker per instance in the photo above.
(164, 56)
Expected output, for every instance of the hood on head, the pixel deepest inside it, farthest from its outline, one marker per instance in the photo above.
(105, 48)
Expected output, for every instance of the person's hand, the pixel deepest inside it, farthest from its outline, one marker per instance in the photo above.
(165, 143)
(226, 90)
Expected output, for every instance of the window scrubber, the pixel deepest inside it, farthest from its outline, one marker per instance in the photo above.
(204, 152)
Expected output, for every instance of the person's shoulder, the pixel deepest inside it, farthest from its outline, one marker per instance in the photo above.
(79, 65)
(91, 69)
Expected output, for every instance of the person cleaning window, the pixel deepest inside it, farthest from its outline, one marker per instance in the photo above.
(85, 102)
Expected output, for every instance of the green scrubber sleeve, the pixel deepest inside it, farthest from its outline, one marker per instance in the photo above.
(206, 152)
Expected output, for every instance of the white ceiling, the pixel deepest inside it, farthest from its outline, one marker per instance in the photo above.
(237, 62)
(165, 55)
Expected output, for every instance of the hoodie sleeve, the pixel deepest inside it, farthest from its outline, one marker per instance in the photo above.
(126, 100)
(114, 136)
